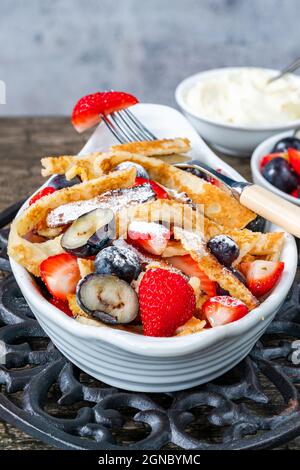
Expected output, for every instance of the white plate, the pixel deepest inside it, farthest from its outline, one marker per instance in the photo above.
(140, 363)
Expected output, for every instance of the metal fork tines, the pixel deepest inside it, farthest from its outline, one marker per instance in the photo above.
(126, 127)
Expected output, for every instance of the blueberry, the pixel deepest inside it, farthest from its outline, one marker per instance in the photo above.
(224, 249)
(221, 291)
(257, 225)
(121, 262)
(279, 173)
(238, 275)
(60, 181)
(283, 144)
(140, 170)
(107, 298)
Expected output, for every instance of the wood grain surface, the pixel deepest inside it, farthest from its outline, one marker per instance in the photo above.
(23, 141)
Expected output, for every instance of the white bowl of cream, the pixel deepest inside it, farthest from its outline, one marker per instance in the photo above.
(235, 108)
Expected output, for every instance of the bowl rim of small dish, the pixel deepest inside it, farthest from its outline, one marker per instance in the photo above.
(256, 157)
(162, 346)
(187, 82)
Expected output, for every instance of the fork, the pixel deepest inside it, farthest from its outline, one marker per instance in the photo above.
(127, 128)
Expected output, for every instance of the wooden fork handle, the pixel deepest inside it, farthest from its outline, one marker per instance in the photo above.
(272, 207)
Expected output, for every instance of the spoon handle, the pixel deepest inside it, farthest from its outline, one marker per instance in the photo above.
(272, 207)
(288, 69)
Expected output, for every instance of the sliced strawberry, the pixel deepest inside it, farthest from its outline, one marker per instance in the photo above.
(61, 305)
(223, 309)
(87, 111)
(60, 274)
(161, 193)
(150, 236)
(296, 193)
(267, 158)
(294, 159)
(261, 276)
(43, 192)
(188, 266)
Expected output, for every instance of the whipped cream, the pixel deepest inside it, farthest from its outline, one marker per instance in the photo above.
(242, 97)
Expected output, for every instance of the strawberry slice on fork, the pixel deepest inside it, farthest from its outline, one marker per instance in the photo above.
(87, 111)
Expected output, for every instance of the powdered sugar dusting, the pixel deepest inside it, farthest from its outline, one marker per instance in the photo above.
(226, 240)
(147, 261)
(144, 259)
(120, 257)
(115, 200)
(146, 230)
(191, 241)
(226, 301)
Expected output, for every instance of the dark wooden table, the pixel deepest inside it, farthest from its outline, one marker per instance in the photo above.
(23, 141)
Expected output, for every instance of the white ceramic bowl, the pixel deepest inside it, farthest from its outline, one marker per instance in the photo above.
(142, 363)
(231, 139)
(261, 150)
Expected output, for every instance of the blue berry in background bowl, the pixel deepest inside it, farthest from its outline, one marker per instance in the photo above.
(140, 170)
(288, 142)
(60, 182)
(121, 262)
(280, 174)
(224, 248)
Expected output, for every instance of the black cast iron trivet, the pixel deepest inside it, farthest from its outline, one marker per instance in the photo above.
(255, 405)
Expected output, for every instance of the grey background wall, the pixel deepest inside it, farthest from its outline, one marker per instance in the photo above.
(54, 51)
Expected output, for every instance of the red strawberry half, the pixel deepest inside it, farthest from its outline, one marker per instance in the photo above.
(150, 236)
(61, 274)
(294, 159)
(267, 158)
(188, 266)
(167, 301)
(261, 276)
(160, 192)
(43, 192)
(62, 305)
(223, 309)
(87, 111)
